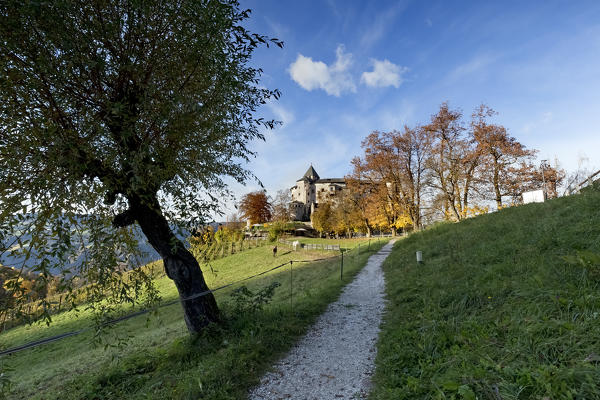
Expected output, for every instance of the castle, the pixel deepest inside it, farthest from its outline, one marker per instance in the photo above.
(310, 190)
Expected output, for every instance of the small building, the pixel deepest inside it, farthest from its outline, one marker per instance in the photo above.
(310, 190)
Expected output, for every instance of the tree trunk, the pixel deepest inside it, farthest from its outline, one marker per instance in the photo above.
(415, 216)
(180, 266)
(496, 183)
(452, 202)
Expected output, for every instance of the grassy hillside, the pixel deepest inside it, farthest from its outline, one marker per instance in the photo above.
(495, 311)
(160, 360)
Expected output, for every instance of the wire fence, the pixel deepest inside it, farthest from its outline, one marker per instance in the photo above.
(57, 302)
(310, 246)
(342, 253)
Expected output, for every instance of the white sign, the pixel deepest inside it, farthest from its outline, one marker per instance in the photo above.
(535, 196)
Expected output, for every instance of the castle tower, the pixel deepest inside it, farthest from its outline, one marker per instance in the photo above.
(309, 190)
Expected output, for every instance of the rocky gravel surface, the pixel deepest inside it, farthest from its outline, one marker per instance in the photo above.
(335, 360)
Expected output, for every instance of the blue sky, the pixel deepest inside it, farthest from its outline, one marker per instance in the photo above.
(351, 67)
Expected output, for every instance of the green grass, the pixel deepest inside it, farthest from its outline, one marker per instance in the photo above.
(160, 359)
(495, 311)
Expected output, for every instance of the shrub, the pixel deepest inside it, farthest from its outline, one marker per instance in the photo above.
(245, 300)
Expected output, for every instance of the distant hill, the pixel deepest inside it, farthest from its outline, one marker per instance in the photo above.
(147, 253)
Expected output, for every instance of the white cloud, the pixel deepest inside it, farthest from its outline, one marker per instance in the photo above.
(385, 73)
(333, 79)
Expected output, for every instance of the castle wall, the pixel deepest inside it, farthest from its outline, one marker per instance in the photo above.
(326, 191)
(299, 211)
(310, 191)
(299, 192)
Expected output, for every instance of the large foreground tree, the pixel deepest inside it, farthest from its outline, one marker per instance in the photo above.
(134, 109)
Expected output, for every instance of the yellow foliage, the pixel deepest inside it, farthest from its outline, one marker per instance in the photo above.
(378, 218)
(511, 204)
(207, 236)
(449, 215)
(25, 285)
(476, 210)
(403, 221)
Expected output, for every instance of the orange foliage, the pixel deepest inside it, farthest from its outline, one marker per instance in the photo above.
(256, 207)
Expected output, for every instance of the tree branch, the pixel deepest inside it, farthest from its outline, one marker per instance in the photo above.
(123, 219)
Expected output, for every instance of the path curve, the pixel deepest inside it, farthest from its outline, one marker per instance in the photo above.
(335, 360)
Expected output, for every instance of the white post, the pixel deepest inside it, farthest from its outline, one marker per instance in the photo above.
(419, 257)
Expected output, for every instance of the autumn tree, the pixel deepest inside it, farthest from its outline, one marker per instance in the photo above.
(281, 206)
(256, 207)
(381, 213)
(322, 218)
(413, 149)
(506, 161)
(361, 193)
(381, 172)
(132, 111)
(454, 161)
(445, 166)
(469, 179)
(547, 177)
(345, 216)
(394, 167)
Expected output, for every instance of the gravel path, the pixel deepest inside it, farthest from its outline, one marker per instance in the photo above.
(335, 360)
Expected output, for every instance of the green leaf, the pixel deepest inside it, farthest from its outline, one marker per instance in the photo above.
(451, 385)
(466, 392)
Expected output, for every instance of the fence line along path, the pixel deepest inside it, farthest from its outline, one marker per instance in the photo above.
(311, 246)
(335, 360)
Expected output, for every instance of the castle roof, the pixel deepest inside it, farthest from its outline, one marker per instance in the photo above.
(310, 174)
(331, 180)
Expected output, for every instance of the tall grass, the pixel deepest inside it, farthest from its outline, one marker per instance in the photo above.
(495, 311)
